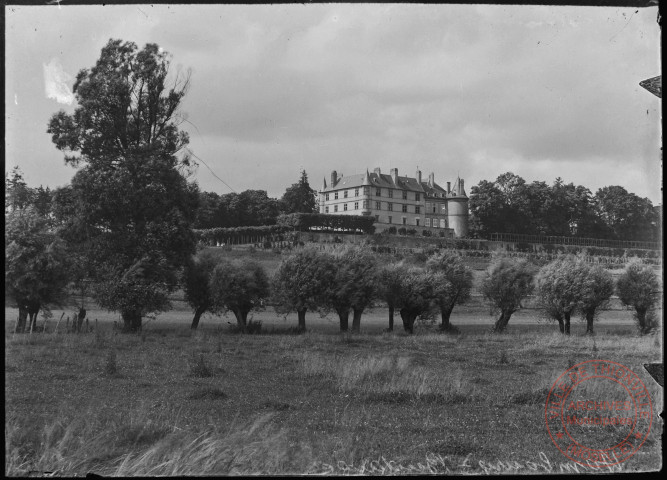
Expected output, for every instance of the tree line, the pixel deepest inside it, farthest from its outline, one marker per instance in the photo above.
(511, 205)
(352, 279)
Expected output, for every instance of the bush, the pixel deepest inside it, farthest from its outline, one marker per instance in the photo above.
(391, 230)
(402, 231)
(267, 244)
(427, 233)
(412, 231)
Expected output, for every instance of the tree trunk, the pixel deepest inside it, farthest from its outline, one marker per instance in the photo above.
(391, 319)
(502, 322)
(343, 316)
(195, 320)
(590, 315)
(445, 313)
(567, 323)
(356, 319)
(131, 321)
(79, 319)
(302, 320)
(641, 319)
(561, 325)
(21, 322)
(241, 317)
(408, 321)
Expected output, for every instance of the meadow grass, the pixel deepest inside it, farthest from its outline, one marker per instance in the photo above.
(211, 402)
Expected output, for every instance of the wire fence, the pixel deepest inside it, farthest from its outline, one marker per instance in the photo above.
(577, 241)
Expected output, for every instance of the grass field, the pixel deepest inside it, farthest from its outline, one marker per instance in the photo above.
(174, 402)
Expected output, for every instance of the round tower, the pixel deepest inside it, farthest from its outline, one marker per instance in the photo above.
(457, 209)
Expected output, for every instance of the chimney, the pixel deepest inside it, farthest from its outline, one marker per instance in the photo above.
(394, 175)
(334, 179)
(431, 179)
(449, 187)
(419, 177)
(377, 170)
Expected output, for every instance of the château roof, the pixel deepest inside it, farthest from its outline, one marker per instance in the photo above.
(383, 180)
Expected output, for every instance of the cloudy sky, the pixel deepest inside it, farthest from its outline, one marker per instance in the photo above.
(469, 90)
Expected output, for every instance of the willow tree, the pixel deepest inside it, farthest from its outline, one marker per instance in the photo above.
(239, 287)
(559, 288)
(354, 285)
(458, 280)
(301, 283)
(507, 282)
(131, 204)
(639, 287)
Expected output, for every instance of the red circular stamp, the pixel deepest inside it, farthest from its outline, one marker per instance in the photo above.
(598, 413)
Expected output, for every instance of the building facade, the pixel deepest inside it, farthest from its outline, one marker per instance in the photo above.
(398, 201)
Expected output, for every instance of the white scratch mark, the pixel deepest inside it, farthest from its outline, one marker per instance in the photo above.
(16, 99)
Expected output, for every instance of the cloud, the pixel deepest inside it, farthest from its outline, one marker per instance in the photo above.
(56, 83)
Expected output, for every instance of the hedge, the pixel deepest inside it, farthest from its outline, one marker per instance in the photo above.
(307, 221)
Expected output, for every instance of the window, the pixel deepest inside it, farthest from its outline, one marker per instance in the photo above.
(433, 211)
(335, 208)
(377, 218)
(390, 206)
(389, 217)
(336, 196)
(378, 205)
(443, 223)
(417, 221)
(326, 197)
(405, 195)
(427, 222)
(391, 193)
(405, 208)
(326, 209)
(345, 207)
(417, 196)
(365, 204)
(356, 192)
(356, 205)
(345, 194)
(405, 221)
(367, 190)
(378, 192)
(417, 209)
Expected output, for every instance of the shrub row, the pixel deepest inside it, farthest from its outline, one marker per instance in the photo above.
(212, 235)
(306, 221)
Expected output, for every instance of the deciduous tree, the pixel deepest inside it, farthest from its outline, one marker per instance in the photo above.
(36, 265)
(354, 285)
(197, 285)
(559, 289)
(457, 286)
(130, 204)
(419, 294)
(596, 287)
(300, 283)
(389, 287)
(639, 287)
(507, 282)
(239, 286)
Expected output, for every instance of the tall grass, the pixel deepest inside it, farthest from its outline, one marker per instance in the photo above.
(390, 378)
